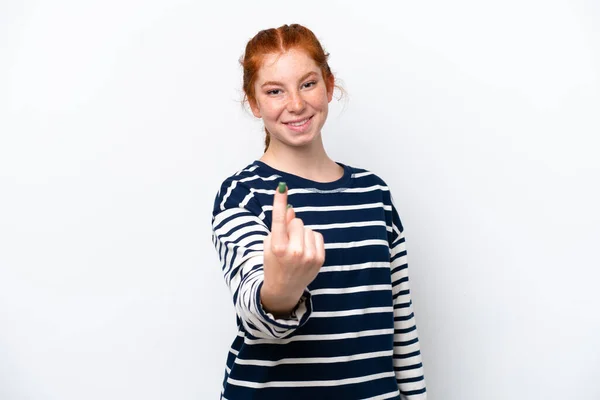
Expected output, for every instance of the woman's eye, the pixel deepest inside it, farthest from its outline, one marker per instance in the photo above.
(309, 84)
(274, 91)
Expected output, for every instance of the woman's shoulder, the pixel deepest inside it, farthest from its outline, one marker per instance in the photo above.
(366, 175)
(240, 175)
(237, 189)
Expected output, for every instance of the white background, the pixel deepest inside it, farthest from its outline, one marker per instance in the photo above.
(120, 119)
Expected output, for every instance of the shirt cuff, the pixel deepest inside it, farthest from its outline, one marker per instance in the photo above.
(297, 317)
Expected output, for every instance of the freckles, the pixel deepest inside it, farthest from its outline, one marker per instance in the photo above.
(273, 111)
(318, 97)
(318, 103)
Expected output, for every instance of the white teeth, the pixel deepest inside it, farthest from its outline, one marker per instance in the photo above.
(298, 123)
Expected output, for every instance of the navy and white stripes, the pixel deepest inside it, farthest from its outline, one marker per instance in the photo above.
(353, 335)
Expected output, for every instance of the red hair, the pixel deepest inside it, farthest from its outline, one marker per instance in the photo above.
(280, 40)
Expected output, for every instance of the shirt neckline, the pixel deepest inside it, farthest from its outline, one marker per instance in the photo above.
(295, 181)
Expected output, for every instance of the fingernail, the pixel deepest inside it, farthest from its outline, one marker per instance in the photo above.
(282, 187)
(289, 206)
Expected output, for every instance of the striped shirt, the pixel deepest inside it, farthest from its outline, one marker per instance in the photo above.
(353, 334)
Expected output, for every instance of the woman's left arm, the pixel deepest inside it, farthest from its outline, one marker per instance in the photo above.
(408, 364)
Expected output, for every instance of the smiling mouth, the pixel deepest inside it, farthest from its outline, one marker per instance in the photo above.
(299, 123)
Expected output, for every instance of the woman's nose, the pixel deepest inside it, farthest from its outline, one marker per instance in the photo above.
(296, 103)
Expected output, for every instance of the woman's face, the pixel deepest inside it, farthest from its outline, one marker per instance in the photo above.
(291, 97)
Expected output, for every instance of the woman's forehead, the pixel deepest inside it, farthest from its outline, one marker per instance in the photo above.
(291, 64)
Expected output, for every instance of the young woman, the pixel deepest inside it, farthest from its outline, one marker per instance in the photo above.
(321, 288)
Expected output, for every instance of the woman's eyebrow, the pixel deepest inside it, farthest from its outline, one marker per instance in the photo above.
(281, 84)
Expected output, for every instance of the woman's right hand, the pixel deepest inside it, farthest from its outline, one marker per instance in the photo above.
(293, 256)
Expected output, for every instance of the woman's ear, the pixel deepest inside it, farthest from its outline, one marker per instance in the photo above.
(330, 86)
(254, 107)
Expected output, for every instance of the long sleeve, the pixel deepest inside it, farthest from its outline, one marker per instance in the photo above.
(238, 231)
(407, 353)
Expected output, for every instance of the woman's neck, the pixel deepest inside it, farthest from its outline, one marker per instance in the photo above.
(314, 165)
